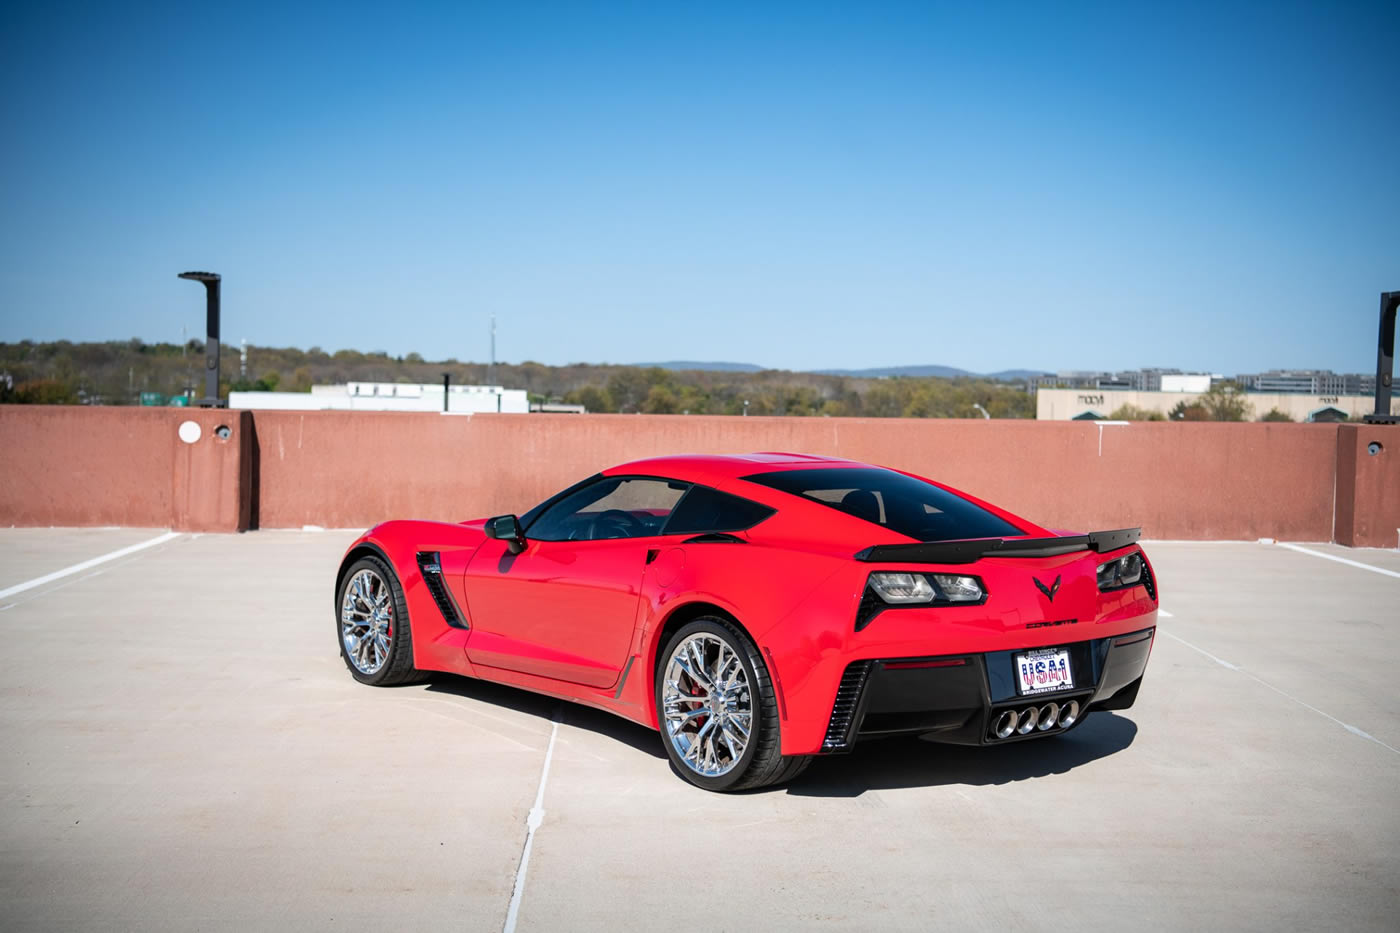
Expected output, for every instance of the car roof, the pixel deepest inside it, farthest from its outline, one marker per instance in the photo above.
(715, 468)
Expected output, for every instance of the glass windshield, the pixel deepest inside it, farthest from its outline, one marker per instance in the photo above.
(909, 506)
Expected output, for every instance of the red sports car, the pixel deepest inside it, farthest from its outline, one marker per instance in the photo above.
(763, 609)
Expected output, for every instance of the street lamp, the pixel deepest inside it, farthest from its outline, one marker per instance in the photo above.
(985, 413)
(211, 353)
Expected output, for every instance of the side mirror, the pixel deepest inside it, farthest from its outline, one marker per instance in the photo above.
(506, 528)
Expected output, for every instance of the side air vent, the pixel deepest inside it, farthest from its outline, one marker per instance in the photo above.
(431, 569)
(843, 711)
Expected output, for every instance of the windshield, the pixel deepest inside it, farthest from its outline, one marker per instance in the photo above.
(909, 506)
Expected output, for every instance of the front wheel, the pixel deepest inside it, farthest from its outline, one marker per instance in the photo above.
(372, 622)
(718, 715)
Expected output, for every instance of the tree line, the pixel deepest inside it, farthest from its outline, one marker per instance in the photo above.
(118, 372)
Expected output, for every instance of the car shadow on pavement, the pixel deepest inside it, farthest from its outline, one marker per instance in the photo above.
(911, 762)
(537, 704)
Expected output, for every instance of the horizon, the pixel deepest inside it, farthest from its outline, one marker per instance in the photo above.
(1097, 186)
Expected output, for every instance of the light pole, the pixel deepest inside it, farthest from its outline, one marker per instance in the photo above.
(985, 413)
(211, 352)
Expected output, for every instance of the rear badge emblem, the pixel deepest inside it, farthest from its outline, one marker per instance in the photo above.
(1050, 590)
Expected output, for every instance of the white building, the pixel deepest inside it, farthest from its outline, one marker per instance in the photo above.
(1186, 382)
(388, 396)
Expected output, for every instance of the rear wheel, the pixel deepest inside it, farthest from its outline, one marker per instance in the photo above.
(372, 624)
(717, 711)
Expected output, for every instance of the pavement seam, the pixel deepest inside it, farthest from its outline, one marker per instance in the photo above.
(1288, 696)
(84, 565)
(532, 823)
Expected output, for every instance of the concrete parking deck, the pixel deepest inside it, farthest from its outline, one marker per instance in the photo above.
(183, 749)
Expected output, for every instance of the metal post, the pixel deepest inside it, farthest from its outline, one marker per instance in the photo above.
(1385, 360)
(446, 381)
(211, 352)
(491, 373)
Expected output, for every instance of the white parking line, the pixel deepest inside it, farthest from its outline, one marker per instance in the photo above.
(1235, 667)
(80, 567)
(532, 823)
(1325, 556)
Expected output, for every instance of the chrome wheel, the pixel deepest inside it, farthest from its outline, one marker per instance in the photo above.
(367, 621)
(707, 705)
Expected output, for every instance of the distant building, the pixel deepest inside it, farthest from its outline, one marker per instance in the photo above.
(1096, 404)
(1309, 382)
(1185, 382)
(389, 396)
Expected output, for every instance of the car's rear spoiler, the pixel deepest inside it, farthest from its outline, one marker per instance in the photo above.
(967, 551)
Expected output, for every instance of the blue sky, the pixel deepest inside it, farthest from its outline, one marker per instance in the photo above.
(984, 185)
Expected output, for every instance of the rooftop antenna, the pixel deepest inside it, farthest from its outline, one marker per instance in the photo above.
(491, 374)
(211, 355)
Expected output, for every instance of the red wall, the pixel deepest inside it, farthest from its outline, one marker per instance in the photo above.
(124, 466)
(347, 469)
(71, 465)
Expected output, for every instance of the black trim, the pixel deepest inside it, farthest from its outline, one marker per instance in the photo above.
(956, 698)
(430, 568)
(845, 710)
(622, 682)
(969, 551)
(715, 537)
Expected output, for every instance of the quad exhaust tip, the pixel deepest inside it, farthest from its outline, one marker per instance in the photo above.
(1035, 719)
(1069, 714)
(1006, 724)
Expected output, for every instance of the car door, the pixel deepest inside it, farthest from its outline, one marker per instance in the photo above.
(566, 606)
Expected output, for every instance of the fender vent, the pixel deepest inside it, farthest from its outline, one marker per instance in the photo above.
(431, 569)
(843, 711)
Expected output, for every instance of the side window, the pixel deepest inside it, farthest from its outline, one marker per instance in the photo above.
(704, 509)
(616, 507)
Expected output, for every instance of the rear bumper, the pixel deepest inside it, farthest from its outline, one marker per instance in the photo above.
(959, 698)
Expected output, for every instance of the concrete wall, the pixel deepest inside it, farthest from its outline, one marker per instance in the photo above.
(86, 466)
(71, 465)
(1368, 486)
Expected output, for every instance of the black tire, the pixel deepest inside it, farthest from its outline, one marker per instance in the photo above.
(398, 667)
(762, 763)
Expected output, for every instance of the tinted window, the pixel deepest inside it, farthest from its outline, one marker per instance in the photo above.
(616, 507)
(901, 503)
(704, 509)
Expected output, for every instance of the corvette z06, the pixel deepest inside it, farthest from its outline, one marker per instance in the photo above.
(763, 609)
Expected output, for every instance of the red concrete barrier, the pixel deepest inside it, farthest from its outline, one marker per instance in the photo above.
(1176, 480)
(126, 466)
(1368, 486)
(71, 465)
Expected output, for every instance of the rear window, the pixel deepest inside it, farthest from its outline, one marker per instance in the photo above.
(900, 503)
(704, 509)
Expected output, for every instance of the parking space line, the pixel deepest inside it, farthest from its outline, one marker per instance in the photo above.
(1341, 560)
(1288, 696)
(84, 565)
(532, 823)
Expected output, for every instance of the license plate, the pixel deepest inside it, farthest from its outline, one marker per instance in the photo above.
(1043, 671)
